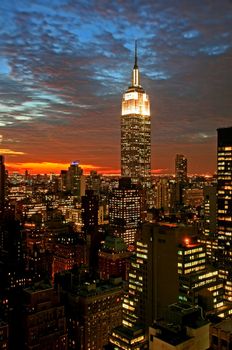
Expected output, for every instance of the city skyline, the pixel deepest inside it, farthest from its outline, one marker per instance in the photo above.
(65, 65)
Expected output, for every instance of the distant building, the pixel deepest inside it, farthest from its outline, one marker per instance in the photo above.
(89, 207)
(75, 182)
(164, 195)
(181, 164)
(181, 178)
(209, 237)
(193, 197)
(94, 182)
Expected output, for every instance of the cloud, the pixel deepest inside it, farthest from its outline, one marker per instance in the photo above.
(10, 152)
(65, 65)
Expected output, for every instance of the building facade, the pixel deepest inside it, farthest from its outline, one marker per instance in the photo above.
(181, 168)
(224, 195)
(125, 211)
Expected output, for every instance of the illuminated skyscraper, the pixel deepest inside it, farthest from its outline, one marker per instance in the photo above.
(224, 194)
(224, 207)
(136, 132)
(125, 213)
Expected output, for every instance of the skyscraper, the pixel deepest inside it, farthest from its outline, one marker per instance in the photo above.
(224, 194)
(2, 184)
(181, 177)
(75, 180)
(125, 210)
(181, 168)
(136, 131)
(224, 207)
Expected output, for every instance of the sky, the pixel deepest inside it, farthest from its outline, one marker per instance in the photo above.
(64, 65)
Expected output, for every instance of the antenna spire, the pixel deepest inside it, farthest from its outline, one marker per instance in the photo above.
(136, 57)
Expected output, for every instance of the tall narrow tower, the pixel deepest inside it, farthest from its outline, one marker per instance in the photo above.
(136, 131)
(224, 196)
(2, 184)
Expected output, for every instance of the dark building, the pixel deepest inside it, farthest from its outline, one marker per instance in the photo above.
(210, 221)
(181, 168)
(4, 336)
(93, 309)
(69, 250)
(113, 259)
(153, 278)
(94, 182)
(89, 206)
(221, 335)
(43, 320)
(181, 178)
(2, 185)
(183, 328)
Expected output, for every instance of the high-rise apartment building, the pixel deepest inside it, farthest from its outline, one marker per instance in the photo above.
(224, 195)
(152, 284)
(153, 279)
(125, 210)
(224, 208)
(181, 178)
(2, 184)
(210, 222)
(136, 132)
(89, 213)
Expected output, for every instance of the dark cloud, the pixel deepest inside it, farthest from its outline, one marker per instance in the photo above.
(65, 64)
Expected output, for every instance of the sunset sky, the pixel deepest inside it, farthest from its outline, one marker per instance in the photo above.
(64, 65)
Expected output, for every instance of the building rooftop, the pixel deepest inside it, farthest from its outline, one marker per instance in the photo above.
(225, 325)
(129, 333)
(93, 289)
(38, 287)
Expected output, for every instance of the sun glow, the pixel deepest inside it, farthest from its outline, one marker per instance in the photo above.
(45, 167)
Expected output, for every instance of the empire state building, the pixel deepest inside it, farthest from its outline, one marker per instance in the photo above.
(136, 132)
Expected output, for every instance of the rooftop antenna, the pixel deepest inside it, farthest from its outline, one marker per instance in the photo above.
(136, 57)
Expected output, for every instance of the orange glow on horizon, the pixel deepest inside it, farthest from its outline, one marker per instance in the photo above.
(45, 167)
(53, 167)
